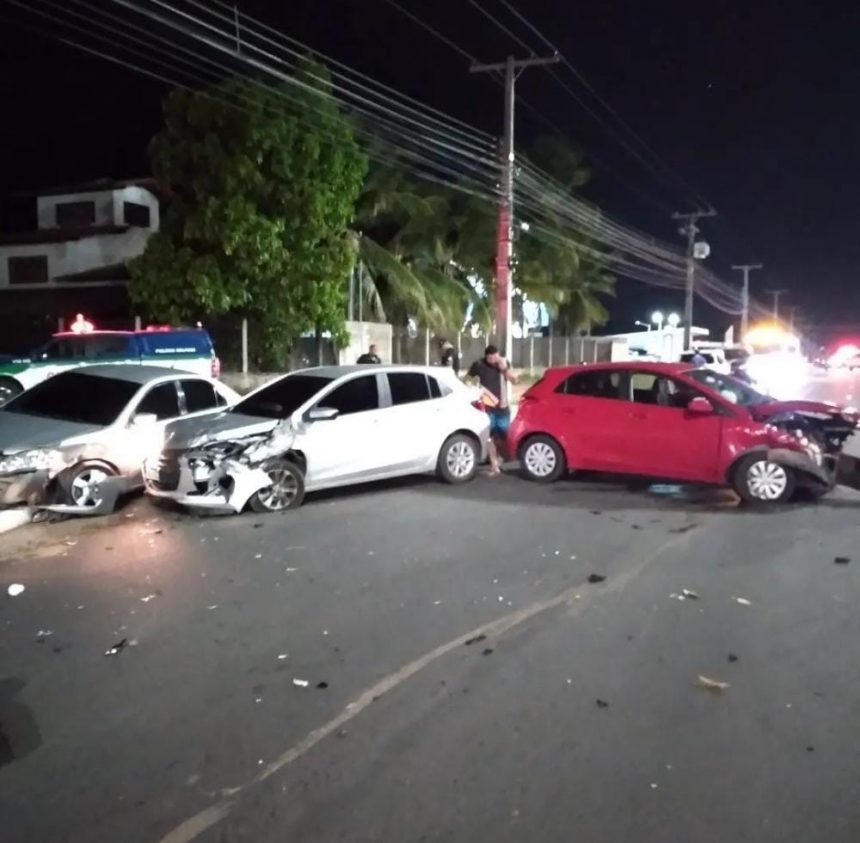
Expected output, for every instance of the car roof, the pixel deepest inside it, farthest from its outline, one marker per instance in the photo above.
(341, 371)
(132, 373)
(639, 366)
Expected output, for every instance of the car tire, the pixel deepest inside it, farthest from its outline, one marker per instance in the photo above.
(542, 459)
(756, 479)
(82, 483)
(458, 459)
(9, 388)
(287, 490)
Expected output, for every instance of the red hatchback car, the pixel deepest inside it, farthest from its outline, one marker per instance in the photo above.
(669, 421)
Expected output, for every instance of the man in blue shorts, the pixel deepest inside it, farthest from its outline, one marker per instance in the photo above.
(494, 375)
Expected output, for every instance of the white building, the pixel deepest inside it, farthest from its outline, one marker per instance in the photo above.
(85, 236)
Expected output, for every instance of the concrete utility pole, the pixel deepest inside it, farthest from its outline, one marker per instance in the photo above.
(690, 230)
(745, 296)
(776, 294)
(505, 237)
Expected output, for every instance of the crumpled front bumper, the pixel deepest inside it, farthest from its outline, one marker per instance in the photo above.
(22, 487)
(228, 488)
(809, 471)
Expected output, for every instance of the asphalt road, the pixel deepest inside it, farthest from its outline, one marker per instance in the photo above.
(577, 717)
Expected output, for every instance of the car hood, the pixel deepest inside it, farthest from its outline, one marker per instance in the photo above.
(191, 433)
(21, 432)
(775, 408)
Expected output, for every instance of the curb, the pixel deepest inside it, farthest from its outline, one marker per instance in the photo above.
(11, 519)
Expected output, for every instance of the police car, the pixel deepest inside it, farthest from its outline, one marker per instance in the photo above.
(188, 349)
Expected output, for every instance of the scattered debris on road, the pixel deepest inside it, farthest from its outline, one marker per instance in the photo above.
(732, 657)
(322, 685)
(476, 640)
(742, 600)
(487, 652)
(42, 634)
(15, 589)
(713, 685)
(150, 597)
(685, 529)
(842, 560)
(281, 656)
(595, 578)
(117, 648)
(602, 704)
(810, 749)
(301, 683)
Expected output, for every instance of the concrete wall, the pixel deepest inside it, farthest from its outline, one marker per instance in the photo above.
(362, 335)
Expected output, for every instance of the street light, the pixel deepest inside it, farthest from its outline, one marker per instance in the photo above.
(643, 324)
(674, 320)
(657, 319)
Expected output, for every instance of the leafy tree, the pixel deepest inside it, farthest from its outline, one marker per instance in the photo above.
(263, 183)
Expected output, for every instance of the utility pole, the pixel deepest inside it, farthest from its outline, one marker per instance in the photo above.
(505, 238)
(776, 294)
(690, 230)
(745, 297)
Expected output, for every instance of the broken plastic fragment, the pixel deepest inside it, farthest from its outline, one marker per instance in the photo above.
(15, 589)
(148, 598)
(322, 685)
(42, 634)
(117, 648)
(842, 560)
(732, 657)
(281, 656)
(301, 683)
(602, 704)
(476, 640)
(711, 684)
(742, 600)
(690, 595)
(487, 652)
(595, 578)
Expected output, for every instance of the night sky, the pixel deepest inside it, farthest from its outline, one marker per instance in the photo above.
(752, 106)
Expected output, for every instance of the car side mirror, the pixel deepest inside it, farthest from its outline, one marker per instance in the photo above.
(322, 414)
(700, 406)
(142, 421)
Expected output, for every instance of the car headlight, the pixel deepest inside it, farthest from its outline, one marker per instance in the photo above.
(38, 459)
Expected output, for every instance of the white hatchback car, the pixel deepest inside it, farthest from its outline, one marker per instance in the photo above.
(321, 428)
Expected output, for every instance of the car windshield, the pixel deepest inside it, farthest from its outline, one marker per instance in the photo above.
(730, 388)
(281, 398)
(76, 397)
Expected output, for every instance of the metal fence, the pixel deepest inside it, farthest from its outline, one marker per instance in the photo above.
(532, 354)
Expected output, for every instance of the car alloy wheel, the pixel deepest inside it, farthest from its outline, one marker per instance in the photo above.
(85, 488)
(540, 459)
(460, 459)
(282, 493)
(767, 481)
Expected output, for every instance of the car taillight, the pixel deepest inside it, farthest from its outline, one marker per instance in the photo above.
(478, 405)
(216, 367)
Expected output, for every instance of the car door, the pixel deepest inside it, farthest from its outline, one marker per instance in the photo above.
(198, 397)
(589, 418)
(348, 448)
(161, 400)
(665, 439)
(415, 421)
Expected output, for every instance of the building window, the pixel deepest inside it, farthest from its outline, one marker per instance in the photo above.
(32, 269)
(136, 214)
(76, 214)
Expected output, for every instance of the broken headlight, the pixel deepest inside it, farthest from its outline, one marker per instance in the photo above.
(38, 459)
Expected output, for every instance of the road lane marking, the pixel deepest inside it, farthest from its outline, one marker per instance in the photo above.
(205, 819)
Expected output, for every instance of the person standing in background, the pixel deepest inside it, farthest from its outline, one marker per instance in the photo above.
(448, 356)
(371, 356)
(494, 374)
